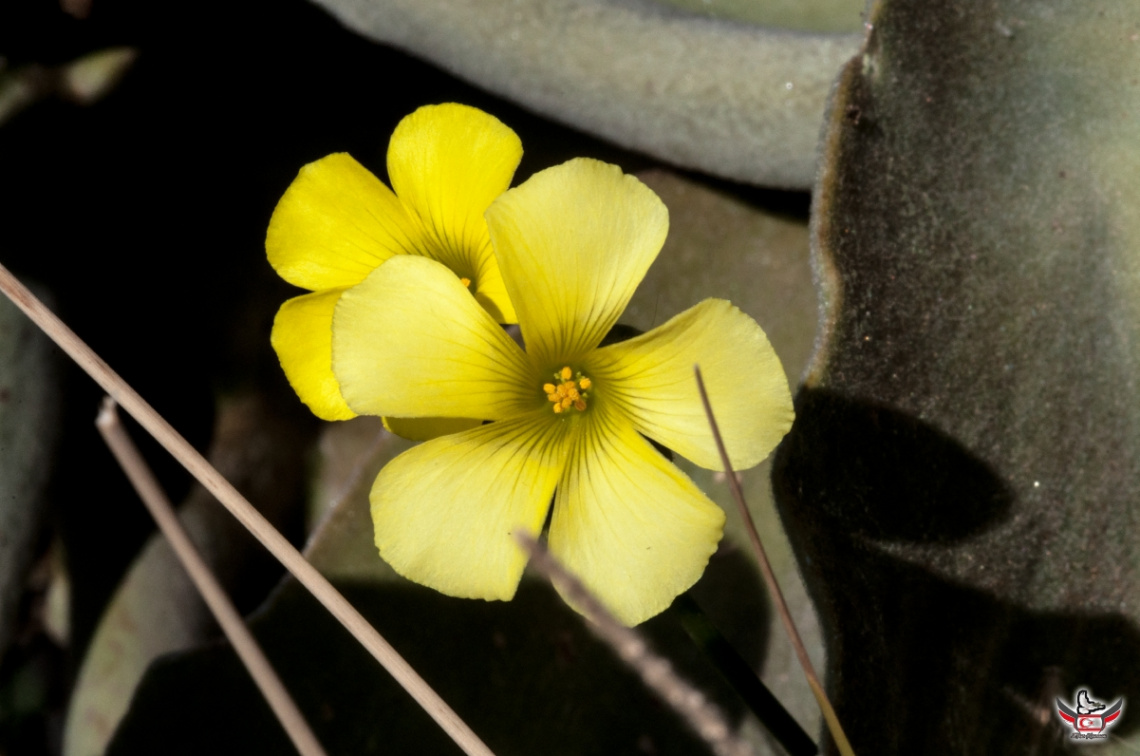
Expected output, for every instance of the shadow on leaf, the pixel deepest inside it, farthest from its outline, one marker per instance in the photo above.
(527, 676)
(886, 475)
(919, 664)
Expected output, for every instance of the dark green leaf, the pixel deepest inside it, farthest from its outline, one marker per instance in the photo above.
(961, 481)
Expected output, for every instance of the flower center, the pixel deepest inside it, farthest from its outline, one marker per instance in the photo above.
(568, 391)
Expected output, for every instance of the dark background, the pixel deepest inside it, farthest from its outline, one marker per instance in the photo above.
(142, 219)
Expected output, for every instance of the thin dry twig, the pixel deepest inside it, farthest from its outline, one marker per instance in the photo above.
(825, 707)
(245, 513)
(211, 591)
(657, 673)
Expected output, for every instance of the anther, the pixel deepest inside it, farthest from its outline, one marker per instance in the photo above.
(568, 391)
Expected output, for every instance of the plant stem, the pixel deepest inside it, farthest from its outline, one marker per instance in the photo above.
(245, 513)
(740, 675)
(825, 707)
(658, 674)
(211, 591)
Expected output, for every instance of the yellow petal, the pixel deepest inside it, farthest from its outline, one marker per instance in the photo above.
(427, 428)
(335, 224)
(573, 243)
(447, 163)
(411, 341)
(651, 377)
(489, 289)
(302, 338)
(631, 525)
(445, 512)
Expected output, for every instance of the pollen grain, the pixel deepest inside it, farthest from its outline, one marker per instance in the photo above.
(568, 390)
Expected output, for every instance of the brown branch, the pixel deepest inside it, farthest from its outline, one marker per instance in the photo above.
(211, 591)
(825, 707)
(245, 513)
(657, 673)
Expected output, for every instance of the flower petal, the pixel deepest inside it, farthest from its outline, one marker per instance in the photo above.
(302, 338)
(427, 428)
(411, 341)
(445, 512)
(652, 379)
(489, 289)
(447, 163)
(335, 224)
(573, 243)
(631, 525)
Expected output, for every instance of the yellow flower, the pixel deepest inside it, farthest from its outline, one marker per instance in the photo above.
(337, 222)
(569, 417)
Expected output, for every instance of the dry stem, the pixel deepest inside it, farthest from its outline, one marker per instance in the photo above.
(657, 673)
(245, 513)
(825, 707)
(212, 593)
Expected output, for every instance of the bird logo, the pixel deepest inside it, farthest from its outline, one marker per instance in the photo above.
(1089, 718)
(1086, 705)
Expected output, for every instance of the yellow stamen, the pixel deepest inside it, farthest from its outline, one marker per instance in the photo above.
(569, 391)
(466, 282)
